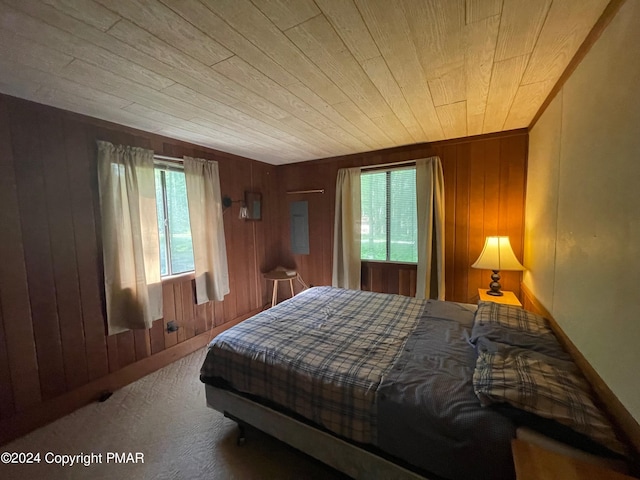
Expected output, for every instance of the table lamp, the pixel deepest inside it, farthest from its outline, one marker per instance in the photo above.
(497, 255)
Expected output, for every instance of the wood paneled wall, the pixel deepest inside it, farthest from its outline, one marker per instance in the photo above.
(485, 179)
(52, 313)
(385, 277)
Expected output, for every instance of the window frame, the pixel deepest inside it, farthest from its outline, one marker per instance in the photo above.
(162, 166)
(387, 170)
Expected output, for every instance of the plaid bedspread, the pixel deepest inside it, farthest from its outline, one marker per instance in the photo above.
(322, 354)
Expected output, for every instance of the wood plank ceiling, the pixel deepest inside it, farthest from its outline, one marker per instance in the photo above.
(290, 80)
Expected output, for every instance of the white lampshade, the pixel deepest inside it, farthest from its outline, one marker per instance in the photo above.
(497, 254)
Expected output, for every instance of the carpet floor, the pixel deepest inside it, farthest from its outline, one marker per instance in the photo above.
(162, 419)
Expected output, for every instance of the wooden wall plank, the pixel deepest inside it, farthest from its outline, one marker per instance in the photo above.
(476, 216)
(7, 405)
(393, 280)
(200, 323)
(243, 258)
(210, 315)
(376, 276)
(513, 151)
(462, 262)
(389, 278)
(63, 251)
(35, 233)
(448, 156)
(156, 334)
(84, 182)
(267, 244)
(14, 292)
(413, 281)
(142, 343)
(180, 314)
(319, 217)
(491, 198)
(403, 283)
(188, 310)
(491, 187)
(126, 348)
(230, 218)
(169, 312)
(219, 313)
(112, 353)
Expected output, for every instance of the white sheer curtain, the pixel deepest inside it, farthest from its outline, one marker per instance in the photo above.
(430, 200)
(346, 235)
(129, 237)
(207, 229)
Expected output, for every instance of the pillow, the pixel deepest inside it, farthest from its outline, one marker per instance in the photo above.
(483, 344)
(517, 327)
(546, 387)
(516, 318)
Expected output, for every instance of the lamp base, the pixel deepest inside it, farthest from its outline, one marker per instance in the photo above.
(494, 286)
(495, 294)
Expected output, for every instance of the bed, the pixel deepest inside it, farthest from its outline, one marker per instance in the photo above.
(376, 385)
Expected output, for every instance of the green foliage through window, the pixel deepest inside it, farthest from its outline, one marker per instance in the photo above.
(176, 248)
(389, 228)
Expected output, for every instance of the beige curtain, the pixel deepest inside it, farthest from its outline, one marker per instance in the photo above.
(129, 237)
(430, 199)
(346, 235)
(207, 229)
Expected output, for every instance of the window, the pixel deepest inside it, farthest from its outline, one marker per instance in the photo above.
(176, 248)
(389, 228)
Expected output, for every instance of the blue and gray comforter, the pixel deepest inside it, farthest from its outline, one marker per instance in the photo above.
(382, 370)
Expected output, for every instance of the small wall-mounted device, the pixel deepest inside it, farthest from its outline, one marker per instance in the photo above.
(172, 326)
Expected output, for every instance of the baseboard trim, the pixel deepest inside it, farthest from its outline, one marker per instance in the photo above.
(623, 419)
(46, 412)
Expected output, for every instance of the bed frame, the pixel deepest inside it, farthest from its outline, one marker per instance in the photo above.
(346, 457)
(329, 449)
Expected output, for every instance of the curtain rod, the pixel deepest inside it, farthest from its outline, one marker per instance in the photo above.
(390, 164)
(168, 159)
(293, 192)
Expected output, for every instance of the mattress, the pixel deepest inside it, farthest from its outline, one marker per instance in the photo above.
(383, 370)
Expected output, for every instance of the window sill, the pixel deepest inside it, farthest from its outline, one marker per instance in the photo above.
(179, 278)
(385, 262)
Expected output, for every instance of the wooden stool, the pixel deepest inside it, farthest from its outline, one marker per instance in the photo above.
(283, 275)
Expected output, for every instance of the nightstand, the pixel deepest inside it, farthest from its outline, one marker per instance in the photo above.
(509, 298)
(535, 463)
